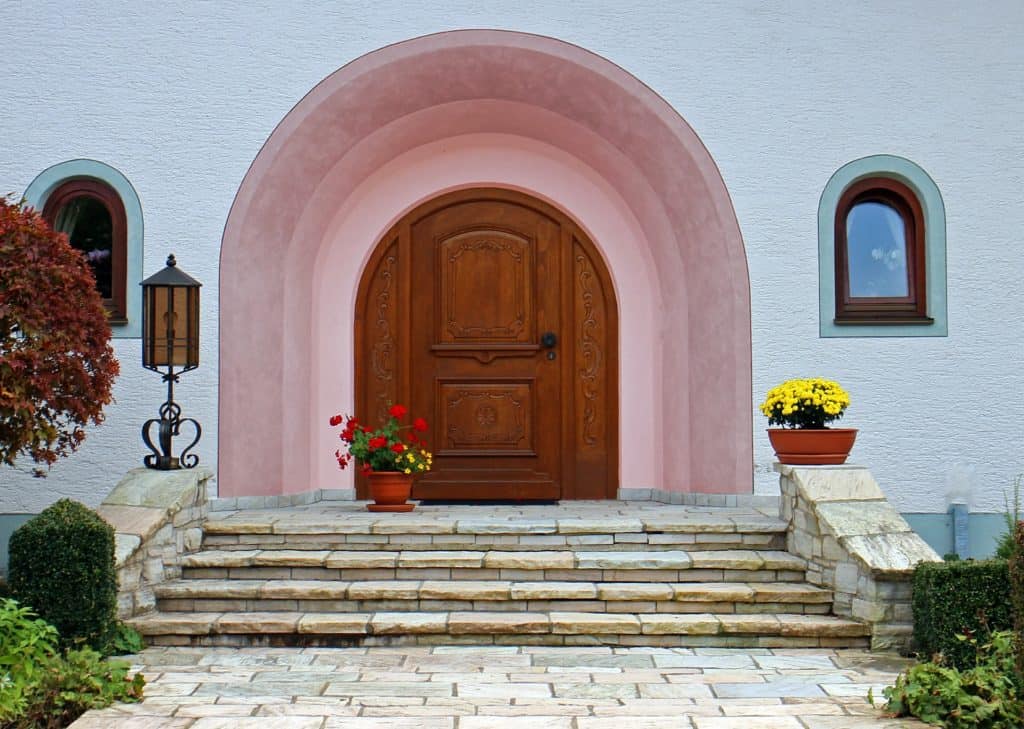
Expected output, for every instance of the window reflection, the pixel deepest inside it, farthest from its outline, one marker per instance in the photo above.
(876, 249)
(88, 225)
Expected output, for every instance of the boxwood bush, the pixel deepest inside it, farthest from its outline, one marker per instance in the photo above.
(966, 598)
(62, 566)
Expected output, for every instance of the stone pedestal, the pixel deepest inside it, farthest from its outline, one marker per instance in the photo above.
(157, 518)
(856, 545)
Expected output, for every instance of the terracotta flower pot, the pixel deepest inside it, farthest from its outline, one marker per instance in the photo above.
(390, 491)
(803, 446)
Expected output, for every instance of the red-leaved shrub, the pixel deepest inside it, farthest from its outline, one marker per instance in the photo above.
(56, 364)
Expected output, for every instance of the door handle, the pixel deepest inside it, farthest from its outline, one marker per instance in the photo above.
(548, 340)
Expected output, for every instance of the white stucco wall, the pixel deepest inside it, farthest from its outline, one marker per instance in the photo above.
(180, 96)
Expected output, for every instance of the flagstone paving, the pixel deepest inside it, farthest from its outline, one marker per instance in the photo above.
(505, 687)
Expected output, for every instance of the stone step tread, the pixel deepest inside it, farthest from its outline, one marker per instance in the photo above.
(721, 592)
(364, 523)
(496, 623)
(733, 559)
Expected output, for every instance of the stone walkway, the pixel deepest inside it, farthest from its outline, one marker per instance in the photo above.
(462, 687)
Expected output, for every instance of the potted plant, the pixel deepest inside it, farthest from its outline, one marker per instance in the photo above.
(802, 408)
(389, 461)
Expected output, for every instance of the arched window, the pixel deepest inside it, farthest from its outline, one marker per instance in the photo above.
(92, 215)
(880, 254)
(882, 251)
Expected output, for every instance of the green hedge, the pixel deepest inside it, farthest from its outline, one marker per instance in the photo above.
(966, 598)
(62, 566)
(1017, 594)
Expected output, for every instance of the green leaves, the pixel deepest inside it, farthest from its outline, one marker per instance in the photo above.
(42, 689)
(987, 696)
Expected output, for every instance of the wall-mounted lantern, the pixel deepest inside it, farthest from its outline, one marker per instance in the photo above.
(170, 339)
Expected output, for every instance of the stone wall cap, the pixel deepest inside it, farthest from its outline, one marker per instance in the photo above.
(170, 490)
(890, 555)
(818, 484)
(859, 518)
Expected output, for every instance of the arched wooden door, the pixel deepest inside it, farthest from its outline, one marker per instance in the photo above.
(492, 314)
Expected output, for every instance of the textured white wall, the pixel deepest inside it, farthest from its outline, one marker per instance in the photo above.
(180, 96)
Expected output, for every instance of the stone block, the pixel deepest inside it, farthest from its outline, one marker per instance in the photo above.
(124, 547)
(334, 624)
(598, 526)
(361, 560)
(192, 539)
(847, 575)
(633, 591)
(279, 622)
(506, 526)
(696, 624)
(749, 624)
(486, 623)
(141, 521)
(465, 590)
(593, 624)
(870, 610)
(169, 490)
(890, 554)
(423, 560)
(833, 483)
(529, 560)
(400, 623)
(383, 590)
(553, 591)
(848, 519)
(667, 560)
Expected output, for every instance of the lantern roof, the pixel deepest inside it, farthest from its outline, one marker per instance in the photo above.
(171, 275)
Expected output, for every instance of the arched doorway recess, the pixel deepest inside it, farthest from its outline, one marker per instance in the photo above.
(288, 296)
(493, 313)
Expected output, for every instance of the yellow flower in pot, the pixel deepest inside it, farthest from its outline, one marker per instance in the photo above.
(802, 408)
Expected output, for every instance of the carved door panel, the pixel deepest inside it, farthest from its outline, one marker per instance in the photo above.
(453, 309)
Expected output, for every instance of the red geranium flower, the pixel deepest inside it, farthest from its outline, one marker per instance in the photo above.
(398, 448)
(413, 439)
(419, 424)
(397, 411)
(379, 442)
(335, 420)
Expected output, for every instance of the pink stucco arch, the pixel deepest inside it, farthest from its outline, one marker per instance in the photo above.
(467, 108)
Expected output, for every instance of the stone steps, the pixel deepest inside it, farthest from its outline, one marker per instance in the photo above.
(522, 566)
(492, 596)
(660, 560)
(545, 628)
(359, 530)
(569, 574)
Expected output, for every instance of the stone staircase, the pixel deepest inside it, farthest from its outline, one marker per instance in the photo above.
(585, 573)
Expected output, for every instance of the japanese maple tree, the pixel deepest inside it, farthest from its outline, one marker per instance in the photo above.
(57, 367)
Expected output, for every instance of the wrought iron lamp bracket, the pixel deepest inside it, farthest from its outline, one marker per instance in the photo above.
(169, 427)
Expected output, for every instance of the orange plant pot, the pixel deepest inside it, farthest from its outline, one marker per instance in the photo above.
(390, 491)
(807, 447)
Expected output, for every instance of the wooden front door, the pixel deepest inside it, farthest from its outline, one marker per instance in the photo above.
(491, 314)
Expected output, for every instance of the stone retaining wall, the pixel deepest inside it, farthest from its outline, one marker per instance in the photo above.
(856, 545)
(157, 518)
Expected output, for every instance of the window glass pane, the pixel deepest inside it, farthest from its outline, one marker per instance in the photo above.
(87, 223)
(876, 248)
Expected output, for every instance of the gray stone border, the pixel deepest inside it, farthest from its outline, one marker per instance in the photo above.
(855, 544)
(157, 518)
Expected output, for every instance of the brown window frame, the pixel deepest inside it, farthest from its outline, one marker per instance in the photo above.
(910, 309)
(87, 187)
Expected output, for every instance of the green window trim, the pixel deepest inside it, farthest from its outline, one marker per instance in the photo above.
(927, 192)
(50, 179)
